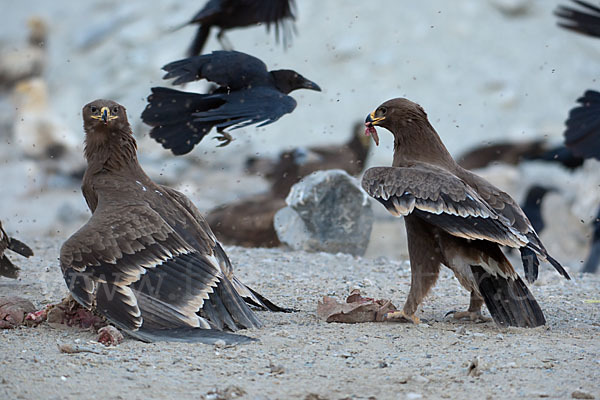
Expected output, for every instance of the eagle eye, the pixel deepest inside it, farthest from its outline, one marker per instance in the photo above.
(94, 109)
(115, 110)
(382, 110)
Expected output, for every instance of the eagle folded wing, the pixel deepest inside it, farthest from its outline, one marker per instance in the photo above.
(135, 269)
(441, 198)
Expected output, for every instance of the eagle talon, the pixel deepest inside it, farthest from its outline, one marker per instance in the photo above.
(401, 316)
(468, 316)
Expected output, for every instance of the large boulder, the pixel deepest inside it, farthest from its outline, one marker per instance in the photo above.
(327, 211)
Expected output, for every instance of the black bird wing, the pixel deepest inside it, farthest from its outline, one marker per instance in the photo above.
(210, 9)
(7, 268)
(230, 69)
(585, 21)
(582, 135)
(238, 13)
(170, 111)
(449, 203)
(138, 272)
(260, 105)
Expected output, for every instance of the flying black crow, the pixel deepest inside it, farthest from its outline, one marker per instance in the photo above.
(229, 14)
(247, 94)
(585, 20)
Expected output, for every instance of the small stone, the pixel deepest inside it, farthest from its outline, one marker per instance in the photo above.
(220, 343)
(327, 211)
(229, 393)
(276, 369)
(580, 394)
(413, 396)
(513, 8)
(473, 368)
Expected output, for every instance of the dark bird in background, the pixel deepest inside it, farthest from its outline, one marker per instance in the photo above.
(7, 268)
(456, 218)
(593, 259)
(26, 61)
(247, 94)
(585, 20)
(514, 153)
(559, 154)
(582, 135)
(147, 260)
(350, 157)
(503, 152)
(248, 222)
(230, 14)
(532, 206)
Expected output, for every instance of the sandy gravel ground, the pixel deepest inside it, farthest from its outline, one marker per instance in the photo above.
(301, 357)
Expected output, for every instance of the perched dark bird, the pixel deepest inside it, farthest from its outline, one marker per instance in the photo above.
(247, 94)
(514, 153)
(147, 260)
(230, 14)
(27, 61)
(7, 268)
(453, 217)
(585, 20)
(248, 222)
(350, 157)
(559, 154)
(582, 135)
(593, 260)
(532, 206)
(504, 152)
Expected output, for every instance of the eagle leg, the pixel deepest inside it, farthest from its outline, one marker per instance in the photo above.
(424, 265)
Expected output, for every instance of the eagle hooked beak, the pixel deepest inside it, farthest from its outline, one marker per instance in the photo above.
(370, 123)
(105, 115)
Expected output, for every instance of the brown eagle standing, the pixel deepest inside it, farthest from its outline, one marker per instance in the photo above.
(454, 217)
(147, 260)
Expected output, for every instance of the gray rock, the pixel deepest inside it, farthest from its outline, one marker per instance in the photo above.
(513, 8)
(327, 211)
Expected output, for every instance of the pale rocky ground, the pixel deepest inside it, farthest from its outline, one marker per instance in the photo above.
(481, 73)
(298, 355)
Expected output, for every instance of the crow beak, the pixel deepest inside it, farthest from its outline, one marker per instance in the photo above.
(310, 85)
